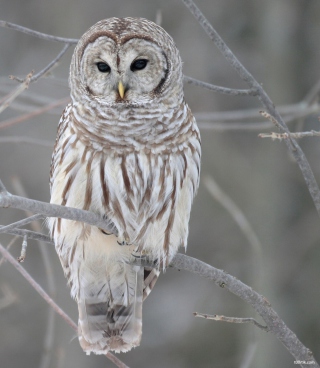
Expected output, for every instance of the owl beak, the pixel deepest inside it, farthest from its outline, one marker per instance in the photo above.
(121, 89)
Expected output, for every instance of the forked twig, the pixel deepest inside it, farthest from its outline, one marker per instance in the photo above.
(217, 317)
(6, 101)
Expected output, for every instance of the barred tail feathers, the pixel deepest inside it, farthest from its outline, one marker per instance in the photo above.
(110, 315)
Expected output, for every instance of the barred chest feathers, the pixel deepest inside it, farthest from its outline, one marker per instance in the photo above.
(146, 189)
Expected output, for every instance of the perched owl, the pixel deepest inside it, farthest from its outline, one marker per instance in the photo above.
(127, 149)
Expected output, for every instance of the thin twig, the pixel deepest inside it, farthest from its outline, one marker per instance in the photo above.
(50, 301)
(20, 223)
(274, 323)
(8, 247)
(294, 111)
(48, 341)
(158, 19)
(6, 101)
(49, 67)
(32, 114)
(236, 213)
(2, 187)
(263, 98)
(296, 135)
(27, 140)
(272, 320)
(313, 94)
(31, 32)
(23, 253)
(31, 235)
(217, 317)
(224, 90)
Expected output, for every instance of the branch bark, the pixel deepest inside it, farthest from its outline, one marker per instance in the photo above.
(53, 210)
(274, 323)
(263, 97)
(261, 305)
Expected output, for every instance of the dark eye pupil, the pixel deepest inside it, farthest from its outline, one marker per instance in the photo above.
(103, 67)
(139, 64)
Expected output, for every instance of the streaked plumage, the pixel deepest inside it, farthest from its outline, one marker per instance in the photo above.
(134, 160)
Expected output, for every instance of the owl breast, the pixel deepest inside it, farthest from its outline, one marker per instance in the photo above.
(147, 193)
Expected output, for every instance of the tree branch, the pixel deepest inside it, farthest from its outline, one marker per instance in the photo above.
(20, 223)
(274, 323)
(54, 210)
(49, 67)
(296, 135)
(262, 96)
(261, 305)
(28, 140)
(224, 90)
(31, 32)
(32, 114)
(6, 101)
(216, 317)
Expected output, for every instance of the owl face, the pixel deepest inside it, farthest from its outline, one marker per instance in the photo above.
(127, 73)
(125, 61)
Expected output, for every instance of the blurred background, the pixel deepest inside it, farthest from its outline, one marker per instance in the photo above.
(278, 42)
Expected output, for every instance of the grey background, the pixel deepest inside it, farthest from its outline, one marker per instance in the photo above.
(278, 41)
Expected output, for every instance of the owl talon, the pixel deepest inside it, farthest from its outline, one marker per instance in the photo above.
(104, 232)
(139, 256)
(123, 243)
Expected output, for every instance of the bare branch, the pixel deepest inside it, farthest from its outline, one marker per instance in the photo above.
(49, 67)
(48, 341)
(238, 216)
(21, 118)
(8, 247)
(231, 120)
(31, 32)
(6, 101)
(262, 96)
(20, 223)
(23, 253)
(274, 323)
(53, 210)
(224, 90)
(296, 135)
(28, 140)
(31, 235)
(312, 95)
(217, 317)
(2, 187)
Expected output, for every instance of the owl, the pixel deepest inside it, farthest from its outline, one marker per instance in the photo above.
(127, 149)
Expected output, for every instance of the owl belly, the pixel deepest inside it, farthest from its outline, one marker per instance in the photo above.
(147, 196)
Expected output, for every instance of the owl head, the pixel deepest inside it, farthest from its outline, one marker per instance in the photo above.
(126, 61)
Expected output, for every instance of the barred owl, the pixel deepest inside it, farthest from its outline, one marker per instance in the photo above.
(127, 149)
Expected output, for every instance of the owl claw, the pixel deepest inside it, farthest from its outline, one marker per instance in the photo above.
(104, 232)
(144, 260)
(139, 256)
(123, 242)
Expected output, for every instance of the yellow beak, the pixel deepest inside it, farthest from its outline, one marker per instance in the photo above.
(121, 89)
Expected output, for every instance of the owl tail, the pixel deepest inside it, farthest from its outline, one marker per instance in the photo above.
(110, 313)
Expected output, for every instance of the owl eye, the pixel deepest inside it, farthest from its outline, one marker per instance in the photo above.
(103, 67)
(138, 64)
